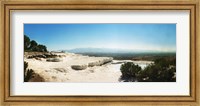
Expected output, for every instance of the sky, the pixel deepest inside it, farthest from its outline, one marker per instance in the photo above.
(150, 37)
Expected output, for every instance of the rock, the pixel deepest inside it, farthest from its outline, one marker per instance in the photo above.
(79, 67)
(60, 69)
(36, 56)
(50, 55)
(107, 60)
(100, 62)
(54, 60)
(91, 64)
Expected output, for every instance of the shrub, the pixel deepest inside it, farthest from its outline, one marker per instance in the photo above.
(155, 73)
(28, 73)
(129, 71)
(162, 70)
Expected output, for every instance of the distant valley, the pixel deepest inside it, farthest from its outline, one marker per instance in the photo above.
(123, 54)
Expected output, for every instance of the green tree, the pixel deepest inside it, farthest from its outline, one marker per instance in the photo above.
(32, 45)
(129, 71)
(161, 71)
(26, 42)
(152, 73)
(42, 48)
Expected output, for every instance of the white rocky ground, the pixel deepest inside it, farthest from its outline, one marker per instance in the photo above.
(71, 67)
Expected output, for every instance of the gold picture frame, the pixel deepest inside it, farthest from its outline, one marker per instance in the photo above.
(7, 6)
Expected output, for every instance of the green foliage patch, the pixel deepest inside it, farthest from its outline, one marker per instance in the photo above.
(162, 70)
(28, 73)
(32, 45)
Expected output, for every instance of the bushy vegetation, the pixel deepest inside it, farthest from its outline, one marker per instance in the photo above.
(28, 73)
(162, 70)
(32, 45)
(130, 71)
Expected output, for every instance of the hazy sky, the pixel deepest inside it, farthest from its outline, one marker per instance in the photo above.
(156, 37)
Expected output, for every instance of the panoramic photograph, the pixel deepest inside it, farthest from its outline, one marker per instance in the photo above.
(100, 52)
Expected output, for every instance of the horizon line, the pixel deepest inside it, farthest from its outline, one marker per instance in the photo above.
(121, 49)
